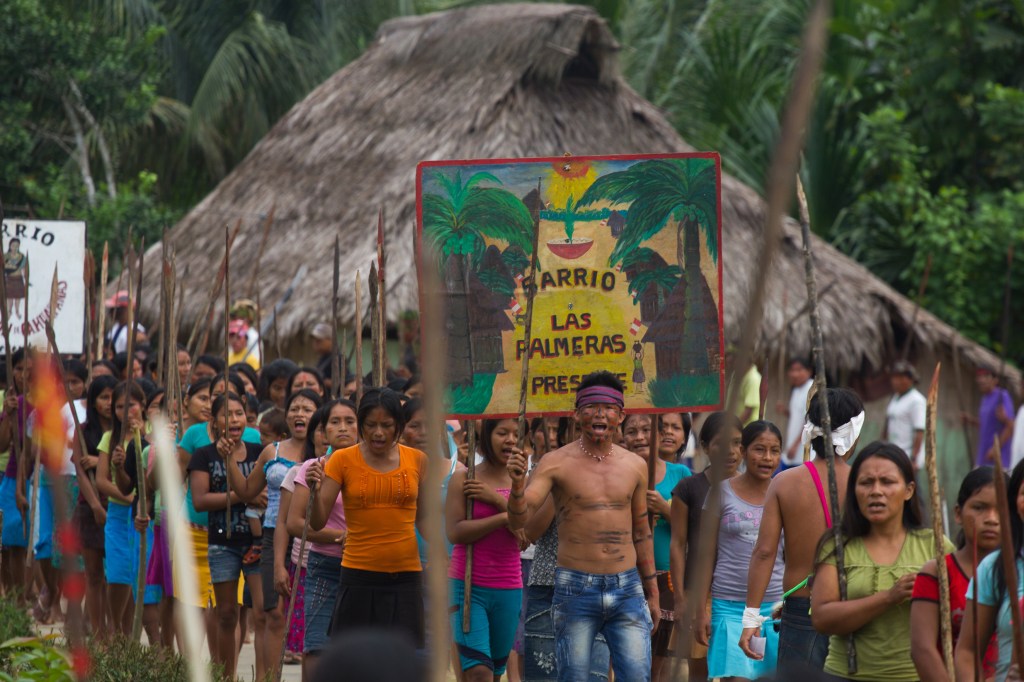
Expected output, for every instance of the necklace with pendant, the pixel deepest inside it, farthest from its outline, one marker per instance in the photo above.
(588, 453)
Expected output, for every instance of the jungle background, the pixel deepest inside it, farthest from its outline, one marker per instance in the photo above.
(125, 113)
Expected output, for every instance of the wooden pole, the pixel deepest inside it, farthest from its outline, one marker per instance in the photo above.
(652, 461)
(467, 593)
(337, 376)
(227, 357)
(826, 419)
(88, 278)
(531, 293)
(142, 511)
(945, 618)
(1005, 553)
(161, 359)
(382, 308)
(359, 337)
(313, 492)
(205, 320)
(376, 368)
(101, 307)
(434, 373)
(24, 435)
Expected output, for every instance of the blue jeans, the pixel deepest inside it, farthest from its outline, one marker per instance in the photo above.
(539, 645)
(613, 605)
(802, 650)
(323, 575)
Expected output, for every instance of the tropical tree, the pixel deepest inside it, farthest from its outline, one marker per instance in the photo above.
(681, 193)
(456, 225)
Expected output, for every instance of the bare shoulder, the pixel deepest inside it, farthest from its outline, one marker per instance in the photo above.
(930, 568)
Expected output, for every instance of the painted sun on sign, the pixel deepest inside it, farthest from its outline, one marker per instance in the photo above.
(629, 278)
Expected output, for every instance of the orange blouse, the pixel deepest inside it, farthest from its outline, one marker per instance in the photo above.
(380, 509)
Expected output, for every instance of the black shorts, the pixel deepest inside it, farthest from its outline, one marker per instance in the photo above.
(369, 599)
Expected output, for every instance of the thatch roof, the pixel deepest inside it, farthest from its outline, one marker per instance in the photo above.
(485, 82)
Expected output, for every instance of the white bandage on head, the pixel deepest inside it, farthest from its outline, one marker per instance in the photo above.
(843, 437)
(752, 618)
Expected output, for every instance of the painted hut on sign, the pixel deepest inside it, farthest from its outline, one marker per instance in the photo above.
(514, 81)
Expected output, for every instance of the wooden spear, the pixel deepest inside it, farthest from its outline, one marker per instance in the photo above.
(955, 352)
(359, 337)
(382, 314)
(376, 367)
(337, 376)
(24, 434)
(826, 419)
(1005, 554)
(162, 320)
(88, 277)
(652, 461)
(945, 618)
(101, 307)
(205, 320)
(531, 293)
(227, 359)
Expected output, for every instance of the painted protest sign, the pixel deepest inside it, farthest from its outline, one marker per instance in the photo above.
(44, 245)
(630, 278)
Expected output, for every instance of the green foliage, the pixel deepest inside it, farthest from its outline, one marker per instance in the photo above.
(14, 623)
(659, 190)
(37, 659)
(666, 278)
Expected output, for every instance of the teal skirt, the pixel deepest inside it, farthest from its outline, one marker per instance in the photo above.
(725, 658)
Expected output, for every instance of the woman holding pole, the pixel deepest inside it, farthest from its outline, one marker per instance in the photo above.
(269, 472)
(987, 611)
(380, 563)
(497, 581)
(978, 518)
(885, 547)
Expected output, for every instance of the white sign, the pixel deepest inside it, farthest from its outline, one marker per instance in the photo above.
(39, 246)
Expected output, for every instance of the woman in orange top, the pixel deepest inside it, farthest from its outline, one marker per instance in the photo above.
(380, 481)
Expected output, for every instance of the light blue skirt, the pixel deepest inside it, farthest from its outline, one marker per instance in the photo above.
(725, 658)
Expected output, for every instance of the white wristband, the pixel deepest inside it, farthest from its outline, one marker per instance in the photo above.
(752, 618)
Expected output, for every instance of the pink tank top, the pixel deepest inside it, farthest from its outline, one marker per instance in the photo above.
(495, 556)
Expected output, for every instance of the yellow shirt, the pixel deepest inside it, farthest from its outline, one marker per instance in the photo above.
(234, 358)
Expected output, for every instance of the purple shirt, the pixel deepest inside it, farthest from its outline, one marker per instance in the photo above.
(990, 426)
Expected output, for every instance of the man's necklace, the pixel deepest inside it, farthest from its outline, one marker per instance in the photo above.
(588, 453)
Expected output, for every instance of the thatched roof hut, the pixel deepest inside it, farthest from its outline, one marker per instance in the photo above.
(494, 81)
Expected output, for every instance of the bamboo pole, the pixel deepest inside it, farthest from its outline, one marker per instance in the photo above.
(1005, 553)
(227, 357)
(826, 419)
(101, 308)
(434, 373)
(945, 618)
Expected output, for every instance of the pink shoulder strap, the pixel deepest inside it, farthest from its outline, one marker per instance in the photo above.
(821, 492)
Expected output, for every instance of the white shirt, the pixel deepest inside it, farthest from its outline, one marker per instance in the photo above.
(69, 426)
(797, 417)
(118, 336)
(905, 416)
(1017, 444)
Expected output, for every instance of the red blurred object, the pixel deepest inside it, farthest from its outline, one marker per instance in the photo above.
(74, 586)
(49, 402)
(81, 662)
(68, 540)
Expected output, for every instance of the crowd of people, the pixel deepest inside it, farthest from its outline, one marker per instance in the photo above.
(582, 565)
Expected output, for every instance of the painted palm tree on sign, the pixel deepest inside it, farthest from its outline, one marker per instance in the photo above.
(680, 194)
(456, 224)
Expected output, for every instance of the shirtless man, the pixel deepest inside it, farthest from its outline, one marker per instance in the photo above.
(793, 507)
(605, 581)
